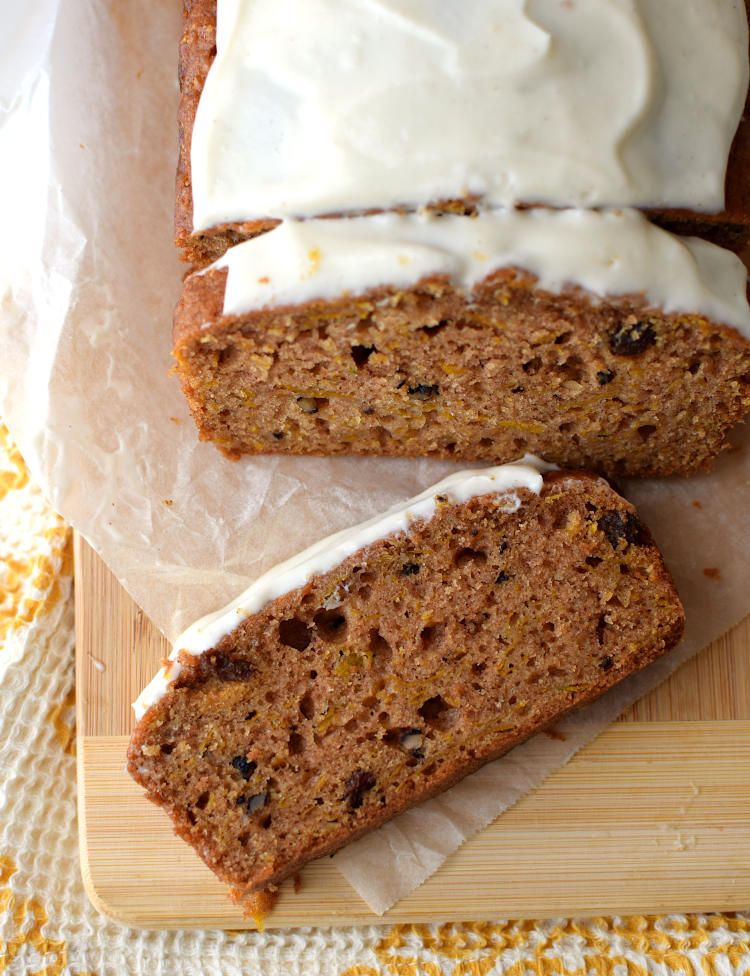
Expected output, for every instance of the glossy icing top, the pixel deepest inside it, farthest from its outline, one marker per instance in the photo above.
(324, 106)
(607, 253)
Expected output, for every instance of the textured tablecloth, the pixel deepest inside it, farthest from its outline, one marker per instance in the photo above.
(47, 925)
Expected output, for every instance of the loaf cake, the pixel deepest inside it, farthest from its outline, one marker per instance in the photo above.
(313, 108)
(383, 664)
(593, 339)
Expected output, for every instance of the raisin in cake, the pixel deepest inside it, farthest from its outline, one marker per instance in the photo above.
(385, 663)
(593, 339)
(312, 109)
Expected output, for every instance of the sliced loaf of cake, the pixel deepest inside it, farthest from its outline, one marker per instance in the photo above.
(593, 339)
(311, 109)
(385, 663)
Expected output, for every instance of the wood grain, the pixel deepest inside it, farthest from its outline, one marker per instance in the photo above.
(651, 816)
(628, 825)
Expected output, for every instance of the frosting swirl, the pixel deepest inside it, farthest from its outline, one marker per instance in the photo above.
(324, 106)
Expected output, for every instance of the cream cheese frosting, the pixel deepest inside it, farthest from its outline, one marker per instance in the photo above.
(607, 253)
(325, 106)
(505, 480)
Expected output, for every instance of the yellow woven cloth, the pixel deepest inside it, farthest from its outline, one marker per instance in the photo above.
(47, 925)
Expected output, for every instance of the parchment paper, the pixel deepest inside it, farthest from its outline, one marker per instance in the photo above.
(88, 280)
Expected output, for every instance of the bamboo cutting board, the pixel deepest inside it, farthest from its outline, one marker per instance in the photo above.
(653, 816)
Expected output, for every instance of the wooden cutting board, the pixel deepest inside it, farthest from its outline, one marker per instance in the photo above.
(653, 816)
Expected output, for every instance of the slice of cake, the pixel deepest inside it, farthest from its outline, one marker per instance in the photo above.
(386, 662)
(593, 339)
(312, 107)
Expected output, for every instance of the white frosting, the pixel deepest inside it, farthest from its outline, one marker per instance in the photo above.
(322, 106)
(325, 555)
(607, 253)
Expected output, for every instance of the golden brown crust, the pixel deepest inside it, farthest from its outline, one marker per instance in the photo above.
(729, 228)
(431, 371)
(390, 678)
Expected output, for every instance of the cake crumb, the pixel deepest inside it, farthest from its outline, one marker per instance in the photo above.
(314, 256)
(553, 733)
(256, 904)
(697, 504)
(297, 883)
(712, 572)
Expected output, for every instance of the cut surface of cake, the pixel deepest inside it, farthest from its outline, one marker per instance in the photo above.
(387, 662)
(313, 107)
(591, 338)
